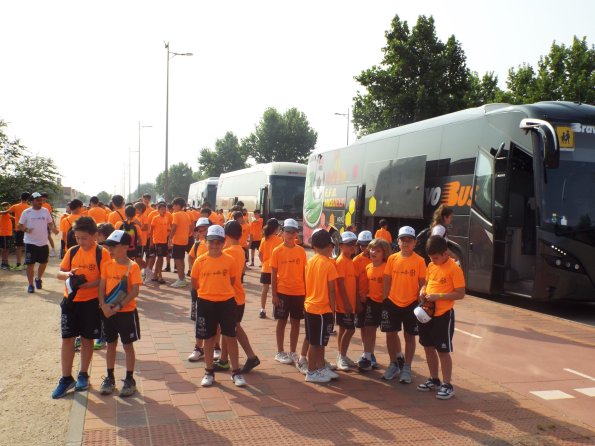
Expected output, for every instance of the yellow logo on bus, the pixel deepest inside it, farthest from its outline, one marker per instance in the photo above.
(565, 136)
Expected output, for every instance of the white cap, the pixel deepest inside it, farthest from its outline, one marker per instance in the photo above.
(290, 223)
(421, 315)
(35, 195)
(364, 237)
(348, 237)
(118, 237)
(215, 232)
(203, 221)
(406, 231)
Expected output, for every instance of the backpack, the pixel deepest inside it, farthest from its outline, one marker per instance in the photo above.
(98, 256)
(131, 229)
(70, 238)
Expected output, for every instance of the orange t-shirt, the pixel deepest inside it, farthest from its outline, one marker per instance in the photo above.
(245, 234)
(266, 249)
(116, 216)
(97, 214)
(152, 214)
(63, 225)
(182, 222)
(237, 253)
(360, 262)
(214, 276)
(160, 227)
(444, 278)
(256, 230)
(114, 272)
(384, 235)
(5, 225)
(200, 250)
(220, 219)
(320, 270)
(346, 271)
(375, 276)
(405, 274)
(17, 210)
(48, 206)
(68, 223)
(290, 264)
(86, 262)
(214, 219)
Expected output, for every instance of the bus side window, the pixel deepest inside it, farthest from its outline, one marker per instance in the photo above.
(483, 185)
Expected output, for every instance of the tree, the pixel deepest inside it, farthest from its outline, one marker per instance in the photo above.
(104, 197)
(145, 188)
(20, 171)
(483, 91)
(281, 137)
(226, 157)
(179, 180)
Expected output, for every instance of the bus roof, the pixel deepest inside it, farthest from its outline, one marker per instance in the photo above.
(275, 168)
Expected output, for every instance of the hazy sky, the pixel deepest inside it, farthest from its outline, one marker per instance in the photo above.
(78, 76)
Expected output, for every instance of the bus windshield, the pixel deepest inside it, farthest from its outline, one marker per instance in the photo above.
(287, 196)
(211, 194)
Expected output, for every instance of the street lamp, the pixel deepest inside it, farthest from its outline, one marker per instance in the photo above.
(346, 115)
(140, 127)
(170, 55)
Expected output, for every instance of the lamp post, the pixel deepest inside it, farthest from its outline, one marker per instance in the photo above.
(140, 127)
(170, 54)
(347, 116)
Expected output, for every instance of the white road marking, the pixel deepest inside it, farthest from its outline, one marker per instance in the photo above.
(468, 334)
(552, 395)
(589, 391)
(577, 373)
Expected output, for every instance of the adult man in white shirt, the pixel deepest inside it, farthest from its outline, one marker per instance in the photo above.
(35, 222)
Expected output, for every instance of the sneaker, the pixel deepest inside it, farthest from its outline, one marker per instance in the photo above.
(82, 382)
(52, 253)
(330, 365)
(392, 371)
(317, 377)
(64, 385)
(4, 267)
(221, 366)
(294, 357)
(99, 344)
(38, 283)
(430, 384)
(365, 365)
(167, 269)
(196, 355)
(400, 360)
(179, 284)
(374, 363)
(302, 366)
(77, 343)
(129, 388)
(208, 379)
(262, 314)
(405, 375)
(31, 289)
(216, 353)
(283, 358)
(350, 362)
(250, 364)
(328, 372)
(445, 392)
(251, 263)
(160, 281)
(17, 268)
(238, 379)
(342, 364)
(107, 386)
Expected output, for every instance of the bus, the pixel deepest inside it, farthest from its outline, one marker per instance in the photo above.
(277, 189)
(201, 191)
(519, 178)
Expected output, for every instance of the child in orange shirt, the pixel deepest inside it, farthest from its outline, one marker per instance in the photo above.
(445, 284)
(404, 275)
(132, 227)
(270, 242)
(255, 234)
(159, 229)
(5, 234)
(383, 233)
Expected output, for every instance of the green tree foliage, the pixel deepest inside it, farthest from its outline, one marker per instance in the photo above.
(567, 73)
(179, 180)
(104, 197)
(20, 171)
(145, 188)
(483, 90)
(281, 137)
(226, 157)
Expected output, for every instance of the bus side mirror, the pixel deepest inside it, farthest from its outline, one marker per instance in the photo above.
(548, 140)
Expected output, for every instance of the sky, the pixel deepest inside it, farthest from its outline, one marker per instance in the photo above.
(77, 77)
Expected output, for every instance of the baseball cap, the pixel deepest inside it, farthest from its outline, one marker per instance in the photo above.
(35, 195)
(424, 312)
(118, 237)
(406, 231)
(216, 232)
(321, 239)
(364, 238)
(203, 221)
(290, 224)
(348, 237)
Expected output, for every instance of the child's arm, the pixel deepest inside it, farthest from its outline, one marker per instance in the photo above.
(456, 294)
(331, 294)
(386, 286)
(131, 295)
(107, 309)
(343, 295)
(274, 285)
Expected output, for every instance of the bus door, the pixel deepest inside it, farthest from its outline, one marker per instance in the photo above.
(263, 197)
(353, 207)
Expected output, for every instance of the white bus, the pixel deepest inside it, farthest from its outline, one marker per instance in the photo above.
(201, 191)
(277, 189)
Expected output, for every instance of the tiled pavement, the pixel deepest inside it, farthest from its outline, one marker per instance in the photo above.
(279, 407)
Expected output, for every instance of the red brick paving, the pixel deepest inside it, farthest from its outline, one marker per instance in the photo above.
(279, 407)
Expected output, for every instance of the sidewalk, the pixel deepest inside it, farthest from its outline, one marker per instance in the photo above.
(279, 407)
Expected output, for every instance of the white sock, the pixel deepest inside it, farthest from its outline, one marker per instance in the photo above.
(368, 355)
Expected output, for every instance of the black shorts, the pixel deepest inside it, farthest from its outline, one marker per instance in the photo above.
(210, 314)
(438, 332)
(19, 237)
(265, 278)
(134, 253)
(178, 252)
(393, 317)
(371, 316)
(148, 249)
(319, 328)
(81, 319)
(36, 254)
(240, 312)
(255, 244)
(123, 323)
(160, 249)
(289, 306)
(190, 243)
(4, 241)
(345, 320)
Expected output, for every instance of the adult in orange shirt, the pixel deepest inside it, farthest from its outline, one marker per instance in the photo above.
(369, 319)
(5, 234)
(404, 275)
(319, 305)
(178, 239)
(80, 314)
(158, 235)
(16, 210)
(445, 284)
(270, 242)
(95, 212)
(255, 234)
(288, 283)
(118, 213)
(383, 233)
(213, 277)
